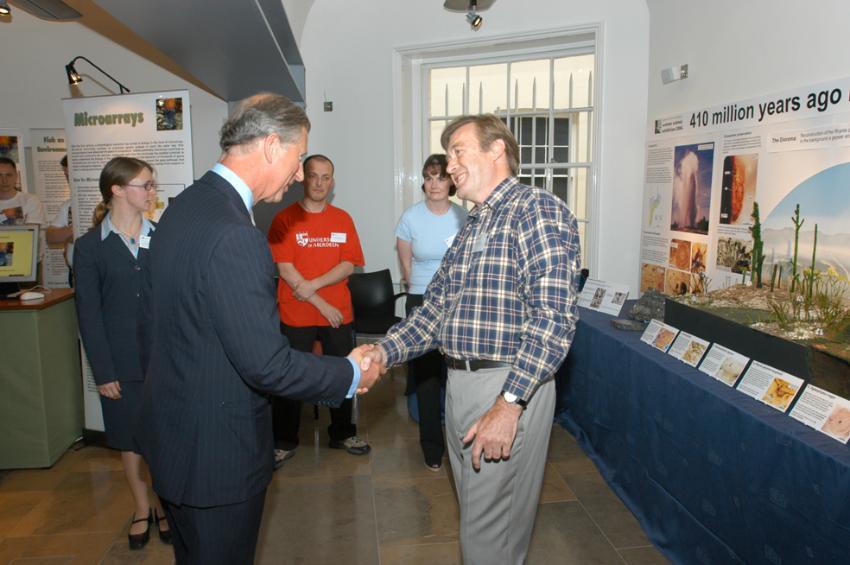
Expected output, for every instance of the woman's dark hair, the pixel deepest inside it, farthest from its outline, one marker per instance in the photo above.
(118, 171)
(438, 160)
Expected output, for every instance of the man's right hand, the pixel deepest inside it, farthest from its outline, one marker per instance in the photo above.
(331, 314)
(372, 360)
(370, 372)
(110, 390)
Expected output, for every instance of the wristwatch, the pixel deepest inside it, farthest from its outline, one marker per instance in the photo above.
(511, 398)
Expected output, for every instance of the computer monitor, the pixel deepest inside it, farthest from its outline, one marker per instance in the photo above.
(18, 256)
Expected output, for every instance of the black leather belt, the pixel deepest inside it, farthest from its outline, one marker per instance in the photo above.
(473, 364)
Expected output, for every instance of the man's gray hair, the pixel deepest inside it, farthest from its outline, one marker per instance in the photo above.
(261, 115)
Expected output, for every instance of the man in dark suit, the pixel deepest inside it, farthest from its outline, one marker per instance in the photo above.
(214, 343)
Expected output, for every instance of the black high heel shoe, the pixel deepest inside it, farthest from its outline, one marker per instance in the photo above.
(138, 541)
(164, 535)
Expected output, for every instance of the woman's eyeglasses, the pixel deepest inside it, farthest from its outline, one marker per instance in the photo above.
(148, 186)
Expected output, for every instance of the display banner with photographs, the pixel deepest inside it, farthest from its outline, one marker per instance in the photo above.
(51, 186)
(706, 168)
(603, 297)
(12, 147)
(153, 126)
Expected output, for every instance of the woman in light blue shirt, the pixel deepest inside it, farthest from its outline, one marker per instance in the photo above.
(424, 233)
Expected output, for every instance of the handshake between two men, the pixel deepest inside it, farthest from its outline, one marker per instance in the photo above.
(372, 363)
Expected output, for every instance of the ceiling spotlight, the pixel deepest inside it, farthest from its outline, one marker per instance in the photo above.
(5, 10)
(75, 78)
(472, 16)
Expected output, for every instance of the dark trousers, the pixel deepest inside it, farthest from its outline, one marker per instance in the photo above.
(428, 374)
(286, 412)
(225, 535)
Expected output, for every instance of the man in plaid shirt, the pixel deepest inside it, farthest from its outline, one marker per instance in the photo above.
(502, 310)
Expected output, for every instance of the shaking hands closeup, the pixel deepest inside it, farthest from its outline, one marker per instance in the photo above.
(373, 364)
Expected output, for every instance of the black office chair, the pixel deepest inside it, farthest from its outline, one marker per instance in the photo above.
(373, 299)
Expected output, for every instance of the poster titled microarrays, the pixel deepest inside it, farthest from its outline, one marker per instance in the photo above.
(153, 126)
(706, 170)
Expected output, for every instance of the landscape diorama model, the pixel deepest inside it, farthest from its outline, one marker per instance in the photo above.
(804, 299)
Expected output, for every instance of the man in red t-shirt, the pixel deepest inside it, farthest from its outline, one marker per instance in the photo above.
(316, 248)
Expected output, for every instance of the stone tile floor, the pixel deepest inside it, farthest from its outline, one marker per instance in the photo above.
(325, 506)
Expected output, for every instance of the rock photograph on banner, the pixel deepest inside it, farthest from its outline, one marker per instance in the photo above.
(740, 173)
(693, 166)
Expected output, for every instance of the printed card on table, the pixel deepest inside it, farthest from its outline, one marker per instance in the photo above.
(825, 412)
(603, 297)
(659, 335)
(688, 348)
(775, 388)
(723, 364)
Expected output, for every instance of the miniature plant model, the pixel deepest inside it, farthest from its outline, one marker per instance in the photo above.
(798, 223)
(757, 261)
(812, 272)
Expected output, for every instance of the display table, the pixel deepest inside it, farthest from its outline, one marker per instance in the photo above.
(41, 408)
(713, 476)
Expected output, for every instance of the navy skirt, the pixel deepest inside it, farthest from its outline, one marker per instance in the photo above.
(120, 416)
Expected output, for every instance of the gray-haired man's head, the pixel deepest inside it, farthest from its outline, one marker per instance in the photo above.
(262, 115)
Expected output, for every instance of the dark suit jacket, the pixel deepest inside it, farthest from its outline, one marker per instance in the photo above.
(216, 352)
(109, 305)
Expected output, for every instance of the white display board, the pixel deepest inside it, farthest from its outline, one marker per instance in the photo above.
(153, 126)
(48, 149)
(706, 168)
(603, 296)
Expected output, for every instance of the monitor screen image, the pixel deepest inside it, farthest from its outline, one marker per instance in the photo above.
(19, 253)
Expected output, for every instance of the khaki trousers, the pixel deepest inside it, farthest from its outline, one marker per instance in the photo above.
(498, 503)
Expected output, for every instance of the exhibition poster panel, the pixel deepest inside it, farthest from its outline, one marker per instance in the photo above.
(153, 126)
(48, 148)
(705, 170)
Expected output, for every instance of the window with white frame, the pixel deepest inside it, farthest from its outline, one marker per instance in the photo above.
(546, 101)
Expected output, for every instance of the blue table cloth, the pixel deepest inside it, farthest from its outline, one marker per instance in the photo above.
(713, 475)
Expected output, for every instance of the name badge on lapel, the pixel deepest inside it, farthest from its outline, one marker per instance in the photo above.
(144, 241)
(338, 237)
(480, 243)
(450, 240)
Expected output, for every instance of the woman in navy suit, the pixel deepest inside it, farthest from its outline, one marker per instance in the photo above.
(109, 262)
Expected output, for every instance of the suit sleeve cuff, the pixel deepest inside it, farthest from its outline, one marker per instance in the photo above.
(355, 380)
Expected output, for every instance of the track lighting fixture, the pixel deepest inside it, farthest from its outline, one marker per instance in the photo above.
(75, 78)
(472, 16)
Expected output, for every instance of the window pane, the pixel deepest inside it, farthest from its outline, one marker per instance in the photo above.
(580, 69)
(488, 84)
(582, 138)
(529, 85)
(541, 136)
(581, 178)
(540, 155)
(560, 187)
(437, 127)
(562, 131)
(560, 155)
(533, 177)
(524, 131)
(447, 83)
(524, 155)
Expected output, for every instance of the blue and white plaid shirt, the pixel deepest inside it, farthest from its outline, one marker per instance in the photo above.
(505, 291)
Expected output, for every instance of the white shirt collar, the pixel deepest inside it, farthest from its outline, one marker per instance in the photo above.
(237, 183)
(107, 227)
